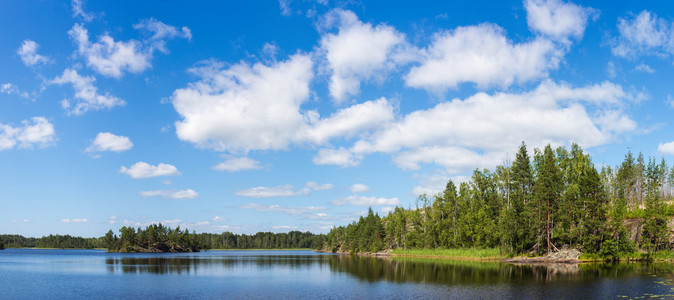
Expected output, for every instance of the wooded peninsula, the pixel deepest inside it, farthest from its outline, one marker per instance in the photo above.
(533, 207)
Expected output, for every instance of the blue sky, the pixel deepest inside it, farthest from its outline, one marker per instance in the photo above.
(285, 115)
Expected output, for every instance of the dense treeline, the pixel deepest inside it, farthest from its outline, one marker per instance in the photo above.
(262, 240)
(531, 206)
(156, 238)
(152, 237)
(51, 241)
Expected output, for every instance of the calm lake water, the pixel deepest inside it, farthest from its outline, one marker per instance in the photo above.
(69, 274)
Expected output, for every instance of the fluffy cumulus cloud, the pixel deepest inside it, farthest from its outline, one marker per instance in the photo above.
(644, 34)
(86, 94)
(109, 57)
(171, 194)
(287, 190)
(142, 169)
(352, 121)
(557, 19)
(238, 164)
(357, 52)
(482, 55)
(366, 201)
(37, 131)
(475, 132)
(244, 107)
(28, 54)
(106, 141)
(666, 148)
(112, 58)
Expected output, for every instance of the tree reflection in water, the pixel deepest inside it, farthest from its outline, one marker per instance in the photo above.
(392, 269)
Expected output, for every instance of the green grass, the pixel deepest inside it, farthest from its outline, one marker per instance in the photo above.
(458, 253)
(637, 256)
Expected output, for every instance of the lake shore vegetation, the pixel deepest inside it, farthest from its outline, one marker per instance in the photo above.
(532, 207)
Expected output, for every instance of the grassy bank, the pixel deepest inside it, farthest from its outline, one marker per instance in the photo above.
(459, 253)
(660, 256)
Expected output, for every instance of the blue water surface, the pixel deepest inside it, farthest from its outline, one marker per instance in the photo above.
(95, 274)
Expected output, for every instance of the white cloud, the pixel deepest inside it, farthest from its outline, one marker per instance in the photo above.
(319, 187)
(75, 220)
(482, 55)
(479, 130)
(285, 209)
(28, 54)
(219, 219)
(341, 157)
(78, 11)
(352, 121)
(358, 52)
(366, 201)
(238, 164)
(359, 188)
(112, 220)
(287, 190)
(284, 227)
(12, 89)
(557, 19)
(106, 141)
(36, 132)
(645, 34)
(386, 210)
(644, 68)
(244, 107)
(666, 148)
(285, 7)
(142, 169)
(161, 32)
(109, 57)
(171, 194)
(112, 58)
(86, 94)
(436, 183)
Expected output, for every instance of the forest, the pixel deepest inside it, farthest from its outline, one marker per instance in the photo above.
(532, 206)
(130, 238)
(159, 238)
(50, 241)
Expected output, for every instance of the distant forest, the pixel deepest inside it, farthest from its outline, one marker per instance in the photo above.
(130, 236)
(531, 206)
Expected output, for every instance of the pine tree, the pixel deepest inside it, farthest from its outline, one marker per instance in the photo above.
(522, 185)
(547, 192)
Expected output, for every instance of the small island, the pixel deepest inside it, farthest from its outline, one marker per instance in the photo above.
(155, 238)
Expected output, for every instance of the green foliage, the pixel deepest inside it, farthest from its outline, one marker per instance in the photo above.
(530, 207)
(51, 241)
(154, 238)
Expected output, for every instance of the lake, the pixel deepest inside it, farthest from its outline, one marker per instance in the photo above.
(69, 274)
